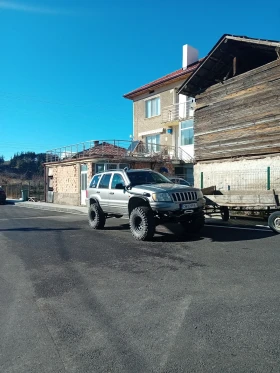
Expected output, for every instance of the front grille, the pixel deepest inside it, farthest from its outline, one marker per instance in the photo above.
(184, 196)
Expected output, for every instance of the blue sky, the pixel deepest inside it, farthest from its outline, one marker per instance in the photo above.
(65, 64)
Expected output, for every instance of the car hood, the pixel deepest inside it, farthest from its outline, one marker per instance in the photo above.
(163, 187)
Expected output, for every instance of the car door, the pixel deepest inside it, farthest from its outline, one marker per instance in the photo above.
(92, 188)
(118, 195)
(103, 192)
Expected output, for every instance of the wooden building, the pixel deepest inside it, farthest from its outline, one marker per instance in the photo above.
(237, 116)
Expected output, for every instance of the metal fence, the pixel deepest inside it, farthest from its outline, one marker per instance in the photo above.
(30, 189)
(267, 178)
(117, 149)
(179, 111)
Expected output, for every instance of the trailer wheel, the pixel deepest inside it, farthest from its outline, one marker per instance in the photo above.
(274, 221)
(224, 213)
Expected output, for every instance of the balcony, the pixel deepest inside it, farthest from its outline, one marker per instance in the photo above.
(178, 112)
(118, 150)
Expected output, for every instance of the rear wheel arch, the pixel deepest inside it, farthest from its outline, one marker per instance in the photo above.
(93, 201)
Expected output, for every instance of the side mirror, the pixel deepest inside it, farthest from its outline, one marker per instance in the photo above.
(120, 186)
(128, 187)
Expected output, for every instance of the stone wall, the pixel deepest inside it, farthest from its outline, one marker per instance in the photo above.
(66, 184)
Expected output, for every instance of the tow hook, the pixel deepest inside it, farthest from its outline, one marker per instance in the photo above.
(188, 211)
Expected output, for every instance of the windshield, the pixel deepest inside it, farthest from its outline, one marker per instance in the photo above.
(146, 177)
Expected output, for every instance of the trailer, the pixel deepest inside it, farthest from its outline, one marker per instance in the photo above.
(260, 201)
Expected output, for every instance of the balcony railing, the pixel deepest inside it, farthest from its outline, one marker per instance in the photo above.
(180, 111)
(118, 150)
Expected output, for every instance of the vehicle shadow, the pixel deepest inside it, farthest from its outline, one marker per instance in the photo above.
(227, 233)
(235, 233)
(116, 227)
(164, 233)
(36, 229)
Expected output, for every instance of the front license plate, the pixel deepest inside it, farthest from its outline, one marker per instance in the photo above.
(186, 206)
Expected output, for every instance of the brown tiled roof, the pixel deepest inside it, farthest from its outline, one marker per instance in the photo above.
(175, 75)
(105, 149)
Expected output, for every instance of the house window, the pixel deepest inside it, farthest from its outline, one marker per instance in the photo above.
(50, 183)
(152, 107)
(187, 132)
(84, 177)
(100, 167)
(152, 143)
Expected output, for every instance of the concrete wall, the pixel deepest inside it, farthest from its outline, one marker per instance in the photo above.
(239, 174)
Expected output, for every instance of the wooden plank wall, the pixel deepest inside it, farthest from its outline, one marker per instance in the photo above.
(240, 117)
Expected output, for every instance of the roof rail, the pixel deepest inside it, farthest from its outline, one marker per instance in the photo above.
(140, 169)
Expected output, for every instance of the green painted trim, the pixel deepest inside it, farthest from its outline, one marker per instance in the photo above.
(201, 180)
(268, 178)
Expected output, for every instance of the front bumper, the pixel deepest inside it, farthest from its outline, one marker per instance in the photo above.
(176, 208)
(179, 215)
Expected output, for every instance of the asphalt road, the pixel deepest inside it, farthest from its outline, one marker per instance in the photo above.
(78, 300)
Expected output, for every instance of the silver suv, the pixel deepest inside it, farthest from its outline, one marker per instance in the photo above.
(146, 198)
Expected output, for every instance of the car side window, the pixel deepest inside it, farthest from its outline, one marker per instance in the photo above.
(94, 181)
(105, 181)
(117, 179)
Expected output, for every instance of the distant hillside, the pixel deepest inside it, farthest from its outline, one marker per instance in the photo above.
(22, 167)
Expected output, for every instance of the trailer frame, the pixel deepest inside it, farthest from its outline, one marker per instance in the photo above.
(267, 202)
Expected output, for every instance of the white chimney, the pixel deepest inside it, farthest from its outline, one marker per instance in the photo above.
(190, 55)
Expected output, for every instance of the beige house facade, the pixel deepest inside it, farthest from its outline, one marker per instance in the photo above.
(164, 118)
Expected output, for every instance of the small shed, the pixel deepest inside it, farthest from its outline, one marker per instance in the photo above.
(69, 169)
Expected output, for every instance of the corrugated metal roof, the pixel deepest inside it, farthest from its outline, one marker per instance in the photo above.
(249, 53)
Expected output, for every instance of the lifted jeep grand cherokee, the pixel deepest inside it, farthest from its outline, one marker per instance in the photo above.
(147, 198)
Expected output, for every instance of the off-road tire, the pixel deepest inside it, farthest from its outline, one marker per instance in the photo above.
(224, 213)
(274, 221)
(142, 223)
(194, 226)
(96, 217)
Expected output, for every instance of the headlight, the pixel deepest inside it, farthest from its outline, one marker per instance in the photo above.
(199, 194)
(161, 197)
